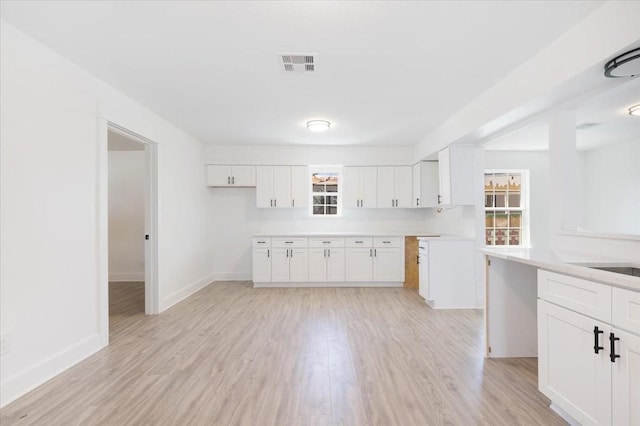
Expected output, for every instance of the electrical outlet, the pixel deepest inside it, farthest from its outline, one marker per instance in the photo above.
(4, 344)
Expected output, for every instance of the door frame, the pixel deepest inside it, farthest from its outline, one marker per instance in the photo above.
(151, 222)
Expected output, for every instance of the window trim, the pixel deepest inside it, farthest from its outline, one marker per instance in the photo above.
(325, 169)
(525, 241)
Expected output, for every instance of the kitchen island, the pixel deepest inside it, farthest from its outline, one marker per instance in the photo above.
(581, 321)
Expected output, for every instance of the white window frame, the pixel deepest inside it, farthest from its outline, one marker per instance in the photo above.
(525, 206)
(325, 169)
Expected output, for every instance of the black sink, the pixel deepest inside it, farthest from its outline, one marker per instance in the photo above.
(626, 270)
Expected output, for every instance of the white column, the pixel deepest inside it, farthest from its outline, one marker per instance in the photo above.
(563, 200)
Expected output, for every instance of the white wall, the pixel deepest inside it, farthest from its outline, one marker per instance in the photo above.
(558, 73)
(53, 163)
(611, 188)
(237, 219)
(537, 162)
(126, 215)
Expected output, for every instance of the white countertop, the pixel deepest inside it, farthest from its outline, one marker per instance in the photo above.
(566, 263)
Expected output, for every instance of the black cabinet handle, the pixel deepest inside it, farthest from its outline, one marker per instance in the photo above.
(268, 253)
(417, 201)
(439, 198)
(596, 339)
(612, 347)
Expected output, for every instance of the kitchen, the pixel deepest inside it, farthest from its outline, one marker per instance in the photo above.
(206, 233)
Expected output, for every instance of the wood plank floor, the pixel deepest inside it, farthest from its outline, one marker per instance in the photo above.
(234, 355)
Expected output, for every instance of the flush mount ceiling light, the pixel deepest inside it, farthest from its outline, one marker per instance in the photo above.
(318, 125)
(625, 65)
(635, 110)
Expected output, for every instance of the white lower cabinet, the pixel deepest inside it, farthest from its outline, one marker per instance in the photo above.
(290, 265)
(625, 379)
(378, 259)
(320, 260)
(570, 373)
(589, 368)
(359, 264)
(326, 264)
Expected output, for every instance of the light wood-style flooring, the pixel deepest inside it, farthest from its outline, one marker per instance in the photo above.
(235, 355)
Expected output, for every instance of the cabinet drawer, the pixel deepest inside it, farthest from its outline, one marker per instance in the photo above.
(587, 297)
(261, 242)
(387, 242)
(326, 242)
(359, 242)
(626, 309)
(281, 242)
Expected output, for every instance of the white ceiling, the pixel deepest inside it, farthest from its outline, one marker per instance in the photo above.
(609, 110)
(386, 72)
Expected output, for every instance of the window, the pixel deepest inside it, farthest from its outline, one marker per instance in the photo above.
(505, 203)
(325, 191)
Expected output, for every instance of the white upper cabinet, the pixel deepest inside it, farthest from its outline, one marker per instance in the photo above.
(282, 186)
(225, 175)
(359, 187)
(455, 169)
(425, 184)
(299, 186)
(394, 186)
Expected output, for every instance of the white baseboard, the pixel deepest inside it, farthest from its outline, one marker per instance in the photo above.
(182, 294)
(25, 381)
(233, 276)
(327, 284)
(126, 276)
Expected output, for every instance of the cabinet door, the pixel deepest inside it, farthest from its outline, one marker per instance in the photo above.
(298, 265)
(317, 265)
(626, 379)
(570, 373)
(282, 186)
(243, 175)
(429, 184)
(386, 186)
(369, 185)
(261, 265)
(351, 187)
(264, 186)
(218, 175)
(423, 287)
(388, 265)
(280, 265)
(415, 187)
(359, 264)
(300, 181)
(336, 265)
(402, 186)
(444, 175)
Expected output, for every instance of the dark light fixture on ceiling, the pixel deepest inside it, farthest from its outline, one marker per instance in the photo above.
(625, 65)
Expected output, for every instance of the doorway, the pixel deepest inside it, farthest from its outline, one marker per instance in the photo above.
(128, 225)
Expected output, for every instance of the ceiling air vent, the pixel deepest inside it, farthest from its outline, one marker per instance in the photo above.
(298, 63)
(585, 126)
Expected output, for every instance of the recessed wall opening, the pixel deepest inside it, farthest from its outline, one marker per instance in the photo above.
(126, 224)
